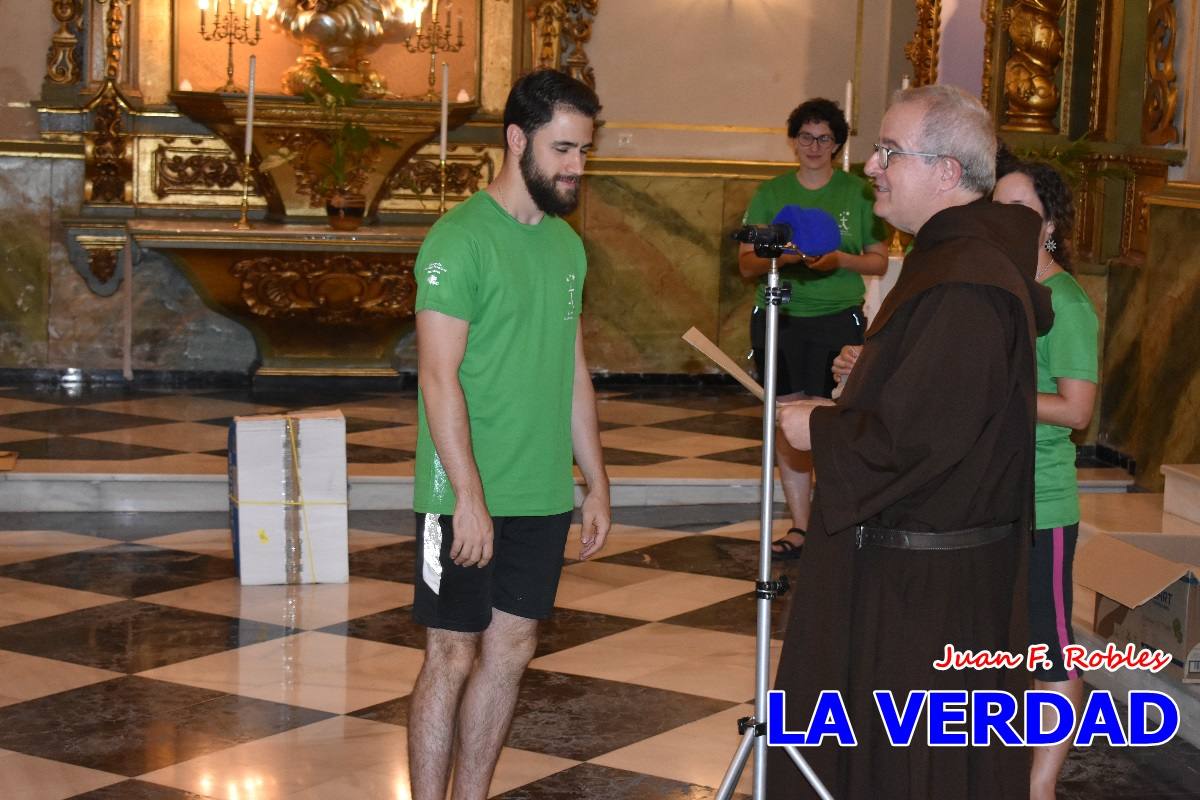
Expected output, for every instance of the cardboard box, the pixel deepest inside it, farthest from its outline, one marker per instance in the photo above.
(1147, 593)
(287, 492)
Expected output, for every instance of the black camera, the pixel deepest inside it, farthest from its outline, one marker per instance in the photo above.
(769, 240)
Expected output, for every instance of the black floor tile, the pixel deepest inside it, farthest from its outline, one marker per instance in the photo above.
(126, 526)
(616, 457)
(590, 781)
(568, 628)
(124, 570)
(556, 714)
(709, 398)
(735, 615)
(129, 636)
(292, 400)
(69, 421)
(74, 448)
(394, 626)
(401, 521)
(80, 395)
(367, 454)
(361, 424)
(721, 556)
(393, 562)
(131, 725)
(687, 518)
(743, 455)
(138, 790)
(737, 425)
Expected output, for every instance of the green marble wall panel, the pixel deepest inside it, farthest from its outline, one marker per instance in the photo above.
(1150, 402)
(737, 294)
(24, 260)
(654, 264)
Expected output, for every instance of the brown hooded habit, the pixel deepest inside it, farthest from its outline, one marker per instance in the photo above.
(934, 432)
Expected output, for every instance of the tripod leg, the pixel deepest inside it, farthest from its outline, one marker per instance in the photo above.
(737, 765)
(808, 773)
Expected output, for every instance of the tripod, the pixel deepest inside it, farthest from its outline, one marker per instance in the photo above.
(753, 730)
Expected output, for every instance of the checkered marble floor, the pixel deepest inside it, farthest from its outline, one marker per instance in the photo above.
(134, 666)
(646, 432)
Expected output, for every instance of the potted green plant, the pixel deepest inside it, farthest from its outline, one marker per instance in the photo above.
(338, 160)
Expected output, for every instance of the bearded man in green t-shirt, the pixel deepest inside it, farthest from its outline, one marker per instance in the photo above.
(504, 401)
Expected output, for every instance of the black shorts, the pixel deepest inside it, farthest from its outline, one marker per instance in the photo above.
(807, 347)
(521, 579)
(1050, 597)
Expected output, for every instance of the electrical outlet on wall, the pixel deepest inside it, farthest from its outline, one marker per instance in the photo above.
(624, 139)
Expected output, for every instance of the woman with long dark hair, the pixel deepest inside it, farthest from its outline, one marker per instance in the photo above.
(1067, 375)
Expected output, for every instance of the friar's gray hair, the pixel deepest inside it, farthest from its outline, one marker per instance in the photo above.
(957, 125)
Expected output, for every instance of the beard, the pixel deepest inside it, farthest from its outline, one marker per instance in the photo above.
(541, 187)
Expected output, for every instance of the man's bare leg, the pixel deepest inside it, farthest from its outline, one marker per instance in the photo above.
(449, 658)
(1048, 761)
(489, 700)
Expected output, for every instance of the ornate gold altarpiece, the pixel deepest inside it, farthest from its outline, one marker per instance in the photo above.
(134, 83)
(1054, 73)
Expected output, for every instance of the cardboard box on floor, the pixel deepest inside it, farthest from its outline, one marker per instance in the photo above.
(287, 492)
(1147, 593)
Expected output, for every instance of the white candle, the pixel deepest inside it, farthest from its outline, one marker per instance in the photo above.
(849, 109)
(904, 82)
(445, 106)
(250, 109)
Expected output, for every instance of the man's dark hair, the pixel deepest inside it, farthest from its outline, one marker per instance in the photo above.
(819, 110)
(1054, 193)
(535, 97)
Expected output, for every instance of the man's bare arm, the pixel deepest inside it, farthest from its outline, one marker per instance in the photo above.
(585, 439)
(441, 344)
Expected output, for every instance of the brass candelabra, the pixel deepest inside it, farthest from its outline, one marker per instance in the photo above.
(434, 37)
(229, 27)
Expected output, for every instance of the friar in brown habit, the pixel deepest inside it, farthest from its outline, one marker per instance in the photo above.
(924, 470)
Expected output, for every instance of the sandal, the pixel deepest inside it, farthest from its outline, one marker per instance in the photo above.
(785, 549)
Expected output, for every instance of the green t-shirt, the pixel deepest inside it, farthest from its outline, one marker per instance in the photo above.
(850, 201)
(520, 287)
(1068, 350)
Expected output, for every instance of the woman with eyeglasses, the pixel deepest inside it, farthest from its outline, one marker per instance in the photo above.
(825, 310)
(1066, 384)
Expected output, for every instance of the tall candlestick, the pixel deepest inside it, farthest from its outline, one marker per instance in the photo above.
(250, 110)
(850, 123)
(445, 106)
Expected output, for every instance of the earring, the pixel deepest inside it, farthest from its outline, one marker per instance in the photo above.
(1050, 245)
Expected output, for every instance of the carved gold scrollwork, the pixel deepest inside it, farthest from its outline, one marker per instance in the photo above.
(464, 175)
(65, 55)
(989, 39)
(107, 150)
(103, 253)
(1162, 94)
(559, 29)
(1029, 73)
(922, 51)
(335, 289)
(186, 172)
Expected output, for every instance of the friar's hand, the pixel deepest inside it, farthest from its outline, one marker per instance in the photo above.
(793, 420)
